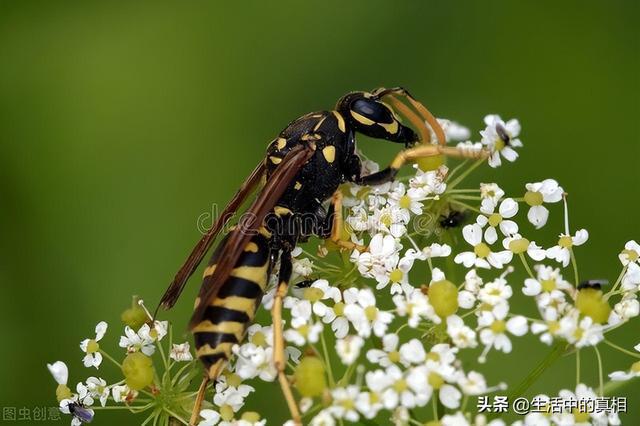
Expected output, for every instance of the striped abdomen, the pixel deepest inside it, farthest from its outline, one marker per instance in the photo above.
(230, 313)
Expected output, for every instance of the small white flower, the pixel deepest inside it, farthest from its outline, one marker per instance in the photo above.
(301, 267)
(428, 184)
(580, 332)
(323, 418)
(348, 349)
(408, 201)
(381, 258)
(454, 131)
(508, 208)
(59, 371)
(181, 352)
(634, 371)
(493, 333)
(514, 244)
(561, 252)
(362, 312)
(98, 388)
(231, 396)
(412, 353)
(548, 280)
(501, 138)
(303, 333)
(491, 192)
(344, 403)
(547, 191)
(122, 393)
(93, 357)
(210, 417)
(631, 253)
(496, 292)
(390, 220)
(388, 355)
(482, 256)
(78, 406)
(461, 335)
(393, 384)
(254, 361)
(138, 342)
(473, 383)
(627, 308)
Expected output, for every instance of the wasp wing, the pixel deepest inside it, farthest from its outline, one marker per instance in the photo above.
(250, 223)
(174, 290)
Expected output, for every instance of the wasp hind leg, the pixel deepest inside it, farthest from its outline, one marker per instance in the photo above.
(278, 339)
(197, 405)
(334, 225)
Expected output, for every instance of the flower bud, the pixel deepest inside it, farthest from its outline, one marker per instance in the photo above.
(309, 377)
(138, 370)
(590, 303)
(443, 296)
(135, 316)
(431, 163)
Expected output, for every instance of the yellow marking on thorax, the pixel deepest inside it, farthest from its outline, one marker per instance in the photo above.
(275, 160)
(390, 127)
(362, 119)
(264, 232)
(281, 211)
(329, 153)
(281, 143)
(311, 137)
(251, 247)
(297, 186)
(237, 303)
(317, 126)
(224, 348)
(229, 327)
(255, 274)
(208, 271)
(340, 120)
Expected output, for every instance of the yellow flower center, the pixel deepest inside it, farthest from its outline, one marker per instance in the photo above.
(533, 198)
(435, 380)
(386, 220)
(500, 144)
(554, 326)
(565, 241)
(632, 255)
(371, 312)
(635, 367)
(495, 219)
(580, 417)
(251, 417)
(92, 347)
(433, 356)
(548, 285)
(396, 276)
(226, 412)
(400, 386)
(519, 246)
(63, 392)
(303, 330)
(482, 250)
(234, 380)
(312, 294)
(348, 404)
(259, 339)
(498, 326)
(404, 202)
(338, 309)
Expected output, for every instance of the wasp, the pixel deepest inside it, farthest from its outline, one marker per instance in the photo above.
(302, 170)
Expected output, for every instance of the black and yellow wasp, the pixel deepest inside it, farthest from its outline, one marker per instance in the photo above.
(302, 170)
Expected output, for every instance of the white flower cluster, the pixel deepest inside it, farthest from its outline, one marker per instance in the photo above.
(376, 334)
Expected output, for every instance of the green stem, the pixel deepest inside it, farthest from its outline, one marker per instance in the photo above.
(621, 349)
(327, 360)
(532, 377)
(434, 405)
(600, 375)
(575, 266)
(526, 265)
(107, 356)
(613, 386)
(465, 174)
(615, 285)
(577, 367)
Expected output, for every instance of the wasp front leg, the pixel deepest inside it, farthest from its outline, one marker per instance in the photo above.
(279, 358)
(416, 153)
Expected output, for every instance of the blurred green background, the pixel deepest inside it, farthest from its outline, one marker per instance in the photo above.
(121, 122)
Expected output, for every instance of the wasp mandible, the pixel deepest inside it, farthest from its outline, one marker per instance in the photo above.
(303, 168)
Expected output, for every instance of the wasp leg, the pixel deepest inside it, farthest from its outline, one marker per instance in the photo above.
(411, 154)
(195, 413)
(398, 92)
(336, 224)
(278, 339)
